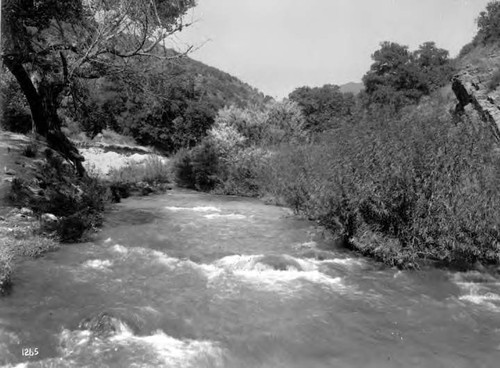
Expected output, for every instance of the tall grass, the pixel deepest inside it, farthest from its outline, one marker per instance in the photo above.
(152, 170)
(424, 180)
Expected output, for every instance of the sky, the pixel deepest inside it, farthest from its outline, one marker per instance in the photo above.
(279, 45)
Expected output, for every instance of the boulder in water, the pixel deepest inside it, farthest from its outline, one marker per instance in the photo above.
(280, 262)
(103, 325)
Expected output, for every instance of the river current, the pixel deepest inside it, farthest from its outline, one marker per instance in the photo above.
(187, 279)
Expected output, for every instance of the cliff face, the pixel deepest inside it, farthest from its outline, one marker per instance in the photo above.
(474, 88)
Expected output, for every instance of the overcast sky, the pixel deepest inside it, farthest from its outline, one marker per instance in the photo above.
(278, 45)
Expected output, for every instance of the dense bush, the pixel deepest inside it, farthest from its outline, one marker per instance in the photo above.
(420, 180)
(489, 24)
(14, 111)
(77, 202)
(198, 168)
(230, 158)
(399, 77)
(323, 107)
(144, 178)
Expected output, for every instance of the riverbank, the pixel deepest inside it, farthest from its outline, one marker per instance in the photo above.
(43, 202)
(21, 233)
(189, 279)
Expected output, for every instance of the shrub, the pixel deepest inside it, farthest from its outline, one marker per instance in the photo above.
(31, 150)
(420, 180)
(78, 202)
(183, 169)
(240, 174)
(488, 24)
(198, 168)
(154, 170)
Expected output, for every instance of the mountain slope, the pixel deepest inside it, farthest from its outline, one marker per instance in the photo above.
(216, 84)
(352, 87)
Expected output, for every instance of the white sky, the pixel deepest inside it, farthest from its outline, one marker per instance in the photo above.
(279, 45)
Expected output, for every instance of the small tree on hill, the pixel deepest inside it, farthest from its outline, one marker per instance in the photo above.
(399, 77)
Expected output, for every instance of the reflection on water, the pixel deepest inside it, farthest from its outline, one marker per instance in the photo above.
(192, 280)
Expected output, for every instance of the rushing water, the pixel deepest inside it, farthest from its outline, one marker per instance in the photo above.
(194, 280)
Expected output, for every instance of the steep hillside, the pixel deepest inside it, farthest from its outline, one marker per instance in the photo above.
(222, 86)
(477, 85)
(217, 85)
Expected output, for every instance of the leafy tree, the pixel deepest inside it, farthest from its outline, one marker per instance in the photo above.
(489, 24)
(323, 106)
(49, 46)
(434, 66)
(399, 77)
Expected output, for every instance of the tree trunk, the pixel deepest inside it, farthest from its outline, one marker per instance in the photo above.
(35, 102)
(43, 105)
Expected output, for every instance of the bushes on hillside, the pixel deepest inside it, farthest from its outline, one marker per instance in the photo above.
(421, 180)
(488, 24)
(78, 203)
(229, 159)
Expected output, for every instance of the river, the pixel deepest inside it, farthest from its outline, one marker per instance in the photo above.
(187, 279)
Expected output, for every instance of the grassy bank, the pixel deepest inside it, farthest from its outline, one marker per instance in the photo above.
(404, 188)
(45, 203)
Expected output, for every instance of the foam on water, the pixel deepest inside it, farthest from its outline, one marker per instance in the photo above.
(271, 272)
(98, 264)
(120, 249)
(230, 216)
(162, 258)
(256, 270)
(175, 352)
(479, 288)
(194, 209)
(348, 262)
(157, 349)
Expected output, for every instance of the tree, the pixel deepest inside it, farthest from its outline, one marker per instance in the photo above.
(323, 106)
(488, 24)
(434, 66)
(399, 77)
(50, 45)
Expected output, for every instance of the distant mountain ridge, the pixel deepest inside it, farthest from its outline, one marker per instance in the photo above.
(352, 87)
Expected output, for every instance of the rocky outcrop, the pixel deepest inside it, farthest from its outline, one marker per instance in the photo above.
(473, 87)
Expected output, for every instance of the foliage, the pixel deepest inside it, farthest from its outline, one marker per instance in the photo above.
(198, 168)
(51, 46)
(285, 123)
(78, 202)
(421, 180)
(14, 111)
(231, 156)
(31, 150)
(168, 105)
(399, 77)
(154, 170)
(240, 174)
(323, 107)
(488, 24)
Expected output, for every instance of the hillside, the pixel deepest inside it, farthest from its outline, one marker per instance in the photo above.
(477, 83)
(218, 86)
(352, 87)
